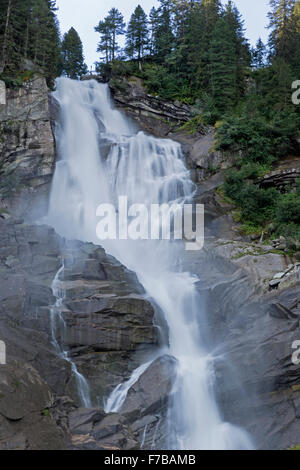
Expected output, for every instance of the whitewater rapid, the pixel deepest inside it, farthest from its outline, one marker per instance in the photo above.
(102, 156)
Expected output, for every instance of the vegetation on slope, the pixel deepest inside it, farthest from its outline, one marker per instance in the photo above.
(196, 52)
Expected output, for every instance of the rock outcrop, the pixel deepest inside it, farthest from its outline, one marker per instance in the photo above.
(155, 115)
(252, 331)
(27, 148)
(108, 331)
(165, 119)
(282, 179)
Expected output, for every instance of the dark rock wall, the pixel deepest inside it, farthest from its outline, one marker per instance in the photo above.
(27, 148)
(109, 328)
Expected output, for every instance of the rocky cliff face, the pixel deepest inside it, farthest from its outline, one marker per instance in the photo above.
(108, 330)
(27, 149)
(252, 330)
(154, 115)
(109, 322)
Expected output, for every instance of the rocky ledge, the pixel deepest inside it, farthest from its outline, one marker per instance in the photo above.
(155, 115)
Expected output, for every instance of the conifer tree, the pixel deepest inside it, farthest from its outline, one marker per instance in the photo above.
(241, 46)
(29, 30)
(72, 52)
(164, 34)
(282, 28)
(203, 22)
(154, 23)
(295, 18)
(110, 28)
(223, 67)
(259, 55)
(137, 36)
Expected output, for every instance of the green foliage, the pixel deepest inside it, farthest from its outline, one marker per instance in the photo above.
(109, 29)
(288, 209)
(137, 35)
(159, 82)
(223, 67)
(260, 206)
(258, 55)
(283, 28)
(193, 126)
(250, 228)
(297, 447)
(29, 31)
(117, 70)
(256, 139)
(257, 205)
(162, 32)
(72, 51)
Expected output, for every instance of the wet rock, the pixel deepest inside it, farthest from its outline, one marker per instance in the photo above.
(109, 325)
(155, 115)
(205, 158)
(253, 332)
(145, 406)
(25, 420)
(82, 420)
(27, 148)
(91, 430)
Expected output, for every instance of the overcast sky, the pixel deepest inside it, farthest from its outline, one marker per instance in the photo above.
(84, 15)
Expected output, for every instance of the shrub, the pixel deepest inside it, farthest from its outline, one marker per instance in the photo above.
(256, 139)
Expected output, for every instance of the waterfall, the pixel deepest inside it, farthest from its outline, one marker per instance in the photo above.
(58, 324)
(103, 156)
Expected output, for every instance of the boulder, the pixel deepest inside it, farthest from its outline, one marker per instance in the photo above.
(25, 419)
(145, 407)
(92, 430)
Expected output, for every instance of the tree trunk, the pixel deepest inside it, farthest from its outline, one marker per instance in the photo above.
(26, 40)
(140, 60)
(5, 38)
(113, 47)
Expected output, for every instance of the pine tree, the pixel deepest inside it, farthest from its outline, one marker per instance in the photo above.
(5, 33)
(137, 35)
(223, 67)
(104, 45)
(29, 30)
(241, 46)
(72, 52)
(259, 55)
(164, 39)
(110, 28)
(182, 11)
(202, 24)
(295, 24)
(154, 24)
(282, 28)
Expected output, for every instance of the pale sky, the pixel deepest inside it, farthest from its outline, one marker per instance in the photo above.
(84, 15)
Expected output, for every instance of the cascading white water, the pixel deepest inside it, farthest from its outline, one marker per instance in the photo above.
(57, 322)
(146, 170)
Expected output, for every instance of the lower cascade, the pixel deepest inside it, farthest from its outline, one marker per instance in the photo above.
(58, 324)
(102, 156)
